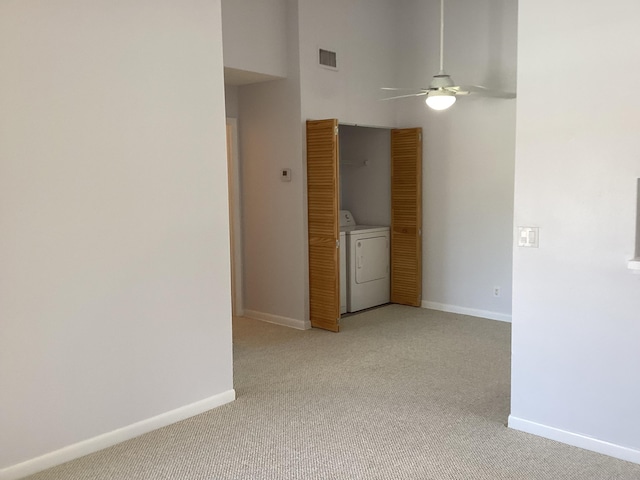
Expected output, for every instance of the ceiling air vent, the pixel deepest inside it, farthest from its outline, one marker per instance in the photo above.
(327, 59)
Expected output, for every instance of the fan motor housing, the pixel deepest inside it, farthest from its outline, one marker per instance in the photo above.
(441, 81)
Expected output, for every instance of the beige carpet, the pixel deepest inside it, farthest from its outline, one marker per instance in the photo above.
(400, 393)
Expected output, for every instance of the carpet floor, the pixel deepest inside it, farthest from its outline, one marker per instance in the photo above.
(399, 393)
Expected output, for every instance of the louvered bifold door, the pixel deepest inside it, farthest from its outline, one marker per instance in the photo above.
(406, 216)
(324, 233)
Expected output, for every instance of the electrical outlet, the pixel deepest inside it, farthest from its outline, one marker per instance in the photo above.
(496, 291)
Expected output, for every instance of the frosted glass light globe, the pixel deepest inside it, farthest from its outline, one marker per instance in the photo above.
(440, 100)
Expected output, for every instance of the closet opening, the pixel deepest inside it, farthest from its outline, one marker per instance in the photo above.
(364, 196)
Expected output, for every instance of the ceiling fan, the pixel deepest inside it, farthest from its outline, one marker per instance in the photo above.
(442, 92)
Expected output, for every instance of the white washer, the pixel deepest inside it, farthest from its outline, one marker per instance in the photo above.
(367, 263)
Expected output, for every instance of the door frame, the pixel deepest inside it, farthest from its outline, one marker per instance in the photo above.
(235, 218)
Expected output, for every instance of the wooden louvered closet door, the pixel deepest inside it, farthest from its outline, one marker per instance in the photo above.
(406, 216)
(324, 232)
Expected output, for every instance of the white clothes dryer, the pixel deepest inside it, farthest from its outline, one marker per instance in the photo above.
(343, 273)
(367, 263)
(345, 220)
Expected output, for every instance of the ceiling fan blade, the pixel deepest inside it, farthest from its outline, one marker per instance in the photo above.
(456, 90)
(401, 89)
(406, 96)
(487, 92)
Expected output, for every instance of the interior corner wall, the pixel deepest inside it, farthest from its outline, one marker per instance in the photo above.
(255, 36)
(576, 305)
(274, 212)
(114, 286)
(468, 151)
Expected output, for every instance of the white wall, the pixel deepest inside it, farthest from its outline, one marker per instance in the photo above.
(115, 287)
(272, 120)
(576, 305)
(468, 151)
(255, 36)
(275, 257)
(365, 189)
(362, 32)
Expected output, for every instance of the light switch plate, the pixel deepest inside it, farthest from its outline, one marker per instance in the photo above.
(529, 237)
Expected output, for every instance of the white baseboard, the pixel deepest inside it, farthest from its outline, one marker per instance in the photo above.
(443, 307)
(278, 320)
(109, 439)
(575, 439)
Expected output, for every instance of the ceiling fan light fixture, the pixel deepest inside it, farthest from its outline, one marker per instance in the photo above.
(440, 100)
